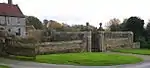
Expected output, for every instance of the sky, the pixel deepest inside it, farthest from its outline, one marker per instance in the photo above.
(82, 11)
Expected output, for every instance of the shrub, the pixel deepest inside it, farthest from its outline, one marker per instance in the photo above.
(145, 44)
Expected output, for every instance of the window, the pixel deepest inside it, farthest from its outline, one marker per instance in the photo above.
(1, 28)
(18, 21)
(19, 32)
(0, 22)
(8, 20)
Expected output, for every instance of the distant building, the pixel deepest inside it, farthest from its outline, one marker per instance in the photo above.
(30, 28)
(54, 24)
(45, 22)
(12, 19)
(65, 25)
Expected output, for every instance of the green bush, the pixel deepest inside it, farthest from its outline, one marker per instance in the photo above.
(145, 44)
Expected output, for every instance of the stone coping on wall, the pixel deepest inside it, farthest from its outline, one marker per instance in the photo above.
(116, 32)
(117, 39)
(73, 32)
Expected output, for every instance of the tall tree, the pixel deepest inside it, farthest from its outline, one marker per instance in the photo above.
(122, 25)
(113, 24)
(136, 25)
(148, 30)
(31, 20)
(148, 26)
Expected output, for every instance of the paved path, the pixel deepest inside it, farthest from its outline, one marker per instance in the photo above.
(28, 64)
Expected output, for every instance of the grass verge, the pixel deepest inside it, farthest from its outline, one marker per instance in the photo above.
(84, 59)
(134, 51)
(2, 66)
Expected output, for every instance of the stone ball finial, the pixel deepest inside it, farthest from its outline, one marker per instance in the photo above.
(100, 28)
(87, 23)
(100, 24)
(45, 21)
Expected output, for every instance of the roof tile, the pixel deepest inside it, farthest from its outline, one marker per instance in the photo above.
(10, 10)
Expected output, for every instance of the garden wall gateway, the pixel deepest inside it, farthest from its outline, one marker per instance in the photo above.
(68, 42)
(87, 41)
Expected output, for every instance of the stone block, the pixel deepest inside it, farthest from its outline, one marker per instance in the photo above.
(136, 45)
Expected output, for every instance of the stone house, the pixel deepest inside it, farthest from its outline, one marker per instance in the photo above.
(12, 19)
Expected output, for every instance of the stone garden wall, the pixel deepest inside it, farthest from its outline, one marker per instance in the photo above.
(19, 49)
(62, 42)
(67, 42)
(62, 47)
(68, 36)
(36, 34)
(115, 40)
(136, 45)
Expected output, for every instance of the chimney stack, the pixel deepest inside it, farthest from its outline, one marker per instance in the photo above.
(9, 1)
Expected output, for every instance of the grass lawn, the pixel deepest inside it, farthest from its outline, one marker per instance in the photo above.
(88, 59)
(134, 51)
(2, 66)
